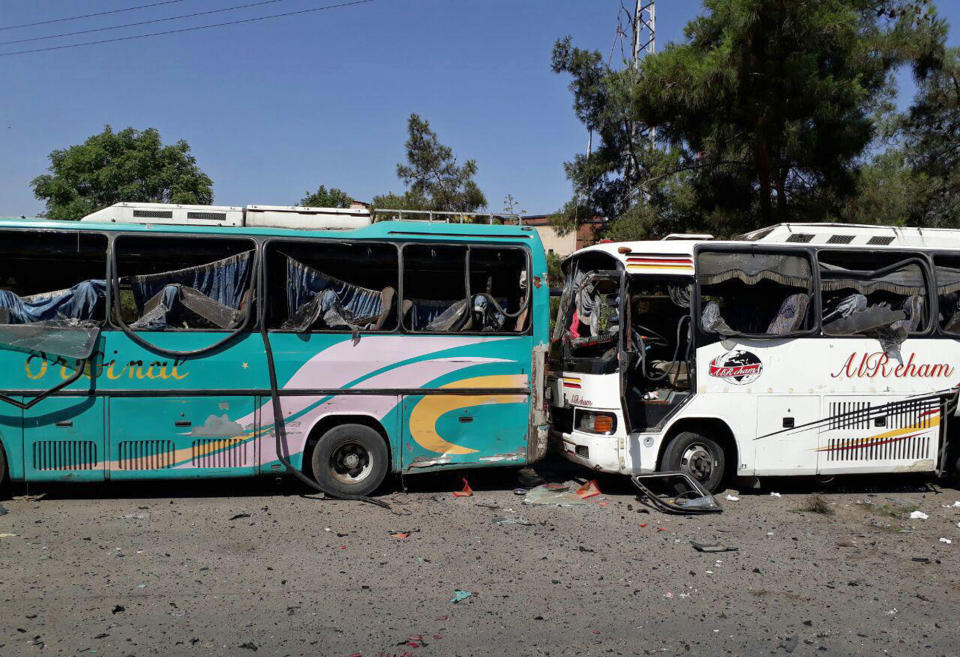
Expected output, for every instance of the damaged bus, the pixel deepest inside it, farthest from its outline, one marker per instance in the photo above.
(814, 349)
(163, 341)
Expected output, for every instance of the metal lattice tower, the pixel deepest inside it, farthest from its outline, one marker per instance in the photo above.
(644, 30)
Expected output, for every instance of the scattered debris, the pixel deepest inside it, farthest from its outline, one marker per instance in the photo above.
(589, 489)
(402, 534)
(583, 549)
(244, 515)
(946, 540)
(466, 492)
(460, 596)
(7, 535)
(790, 644)
(775, 495)
(528, 478)
(713, 547)
(118, 609)
(502, 520)
(551, 494)
(921, 559)
(918, 515)
(519, 491)
(30, 498)
(3, 510)
(955, 505)
(731, 498)
(817, 504)
(488, 504)
(249, 645)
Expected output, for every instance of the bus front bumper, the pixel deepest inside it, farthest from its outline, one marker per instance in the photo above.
(600, 453)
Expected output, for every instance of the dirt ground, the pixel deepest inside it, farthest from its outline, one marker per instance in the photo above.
(241, 567)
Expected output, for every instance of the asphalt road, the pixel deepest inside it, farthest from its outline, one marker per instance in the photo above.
(244, 567)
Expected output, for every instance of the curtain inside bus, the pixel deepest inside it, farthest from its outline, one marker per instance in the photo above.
(216, 292)
(61, 322)
(888, 304)
(313, 296)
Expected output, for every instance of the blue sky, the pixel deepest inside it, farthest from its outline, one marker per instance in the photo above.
(274, 108)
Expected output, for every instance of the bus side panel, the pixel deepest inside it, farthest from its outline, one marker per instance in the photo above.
(63, 439)
(11, 439)
(181, 417)
(303, 413)
(179, 437)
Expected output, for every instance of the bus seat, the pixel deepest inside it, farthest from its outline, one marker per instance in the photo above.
(913, 309)
(790, 317)
(711, 320)
(386, 306)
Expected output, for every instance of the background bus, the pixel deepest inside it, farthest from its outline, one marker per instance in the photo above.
(799, 350)
(137, 350)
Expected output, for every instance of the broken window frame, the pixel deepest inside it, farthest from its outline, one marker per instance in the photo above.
(114, 312)
(81, 361)
(527, 298)
(274, 245)
(905, 258)
(812, 318)
(936, 266)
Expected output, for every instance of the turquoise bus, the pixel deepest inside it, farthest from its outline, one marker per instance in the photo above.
(146, 350)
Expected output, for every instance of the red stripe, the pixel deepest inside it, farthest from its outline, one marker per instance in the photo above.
(871, 444)
(675, 261)
(571, 385)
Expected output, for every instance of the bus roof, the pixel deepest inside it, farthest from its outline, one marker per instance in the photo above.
(674, 255)
(391, 230)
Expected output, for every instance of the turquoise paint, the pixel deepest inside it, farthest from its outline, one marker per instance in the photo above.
(121, 366)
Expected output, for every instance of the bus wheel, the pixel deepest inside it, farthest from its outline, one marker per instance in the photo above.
(350, 459)
(700, 457)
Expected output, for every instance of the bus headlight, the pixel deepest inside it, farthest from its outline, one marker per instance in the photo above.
(594, 422)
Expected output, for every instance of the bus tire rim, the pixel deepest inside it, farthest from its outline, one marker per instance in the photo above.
(697, 461)
(351, 463)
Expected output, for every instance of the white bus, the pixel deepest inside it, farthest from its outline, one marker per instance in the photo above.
(799, 349)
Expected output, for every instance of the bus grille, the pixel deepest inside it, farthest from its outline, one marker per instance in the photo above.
(146, 454)
(854, 449)
(65, 455)
(218, 453)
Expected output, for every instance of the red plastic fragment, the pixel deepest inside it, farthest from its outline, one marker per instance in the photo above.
(589, 489)
(466, 492)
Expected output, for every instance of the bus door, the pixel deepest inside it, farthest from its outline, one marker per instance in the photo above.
(170, 415)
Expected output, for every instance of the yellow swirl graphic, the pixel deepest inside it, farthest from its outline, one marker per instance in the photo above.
(424, 416)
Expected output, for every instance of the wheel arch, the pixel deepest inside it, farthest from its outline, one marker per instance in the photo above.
(710, 427)
(327, 422)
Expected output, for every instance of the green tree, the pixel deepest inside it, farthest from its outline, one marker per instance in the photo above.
(432, 174)
(326, 198)
(761, 115)
(112, 167)
(932, 145)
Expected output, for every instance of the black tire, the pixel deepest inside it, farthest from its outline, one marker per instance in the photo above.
(701, 457)
(350, 459)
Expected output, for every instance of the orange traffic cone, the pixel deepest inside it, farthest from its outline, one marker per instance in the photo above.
(466, 492)
(589, 489)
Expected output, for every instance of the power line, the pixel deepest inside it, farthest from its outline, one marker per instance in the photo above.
(99, 13)
(152, 20)
(187, 29)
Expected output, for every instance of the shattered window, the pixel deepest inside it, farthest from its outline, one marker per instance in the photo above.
(439, 296)
(332, 286)
(170, 282)
(866, 293)
(52, 290)
(948, 292)
(754, 293)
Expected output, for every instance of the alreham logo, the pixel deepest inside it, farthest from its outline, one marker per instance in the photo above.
(738, 367)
